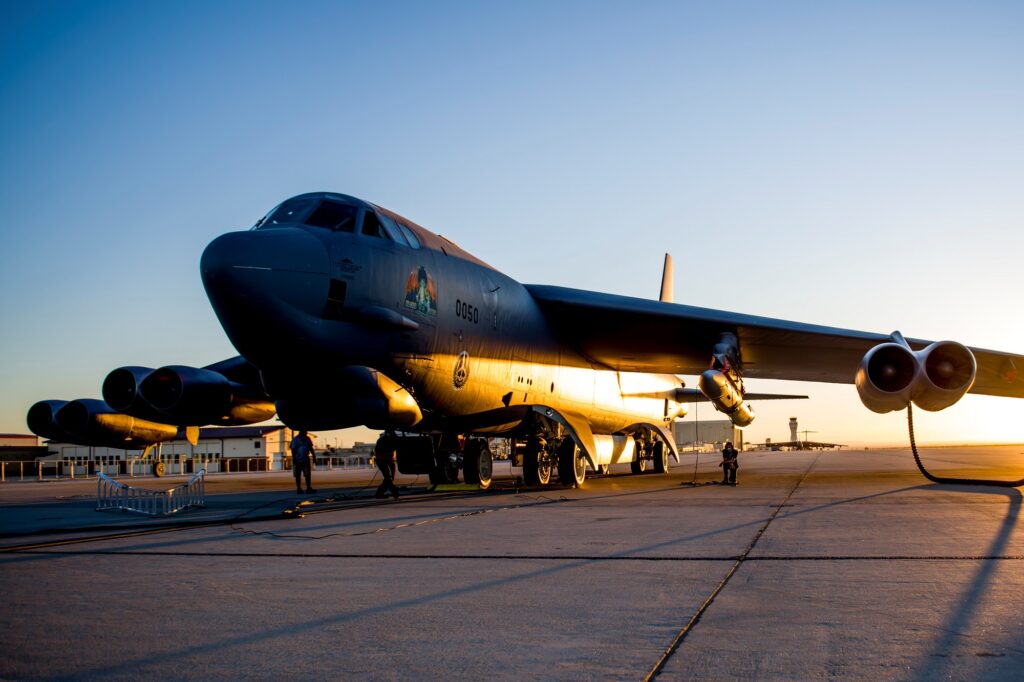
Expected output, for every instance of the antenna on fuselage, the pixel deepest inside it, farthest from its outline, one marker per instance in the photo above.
(667, 281)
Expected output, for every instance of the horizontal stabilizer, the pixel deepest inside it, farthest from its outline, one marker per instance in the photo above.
(693, 395)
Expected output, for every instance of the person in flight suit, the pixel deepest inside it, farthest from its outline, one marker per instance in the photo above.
(729, 464)
(302, 460)
(384, 454)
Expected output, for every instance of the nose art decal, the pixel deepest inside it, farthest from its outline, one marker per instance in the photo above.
(421, 292)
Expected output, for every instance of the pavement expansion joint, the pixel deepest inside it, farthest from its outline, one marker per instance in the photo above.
(686, 629)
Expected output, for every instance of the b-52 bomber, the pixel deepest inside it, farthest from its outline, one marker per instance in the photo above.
(345, 313)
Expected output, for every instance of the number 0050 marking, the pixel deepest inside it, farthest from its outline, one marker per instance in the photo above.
(467, 312)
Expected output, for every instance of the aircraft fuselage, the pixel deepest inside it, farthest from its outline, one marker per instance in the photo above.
(303, 303)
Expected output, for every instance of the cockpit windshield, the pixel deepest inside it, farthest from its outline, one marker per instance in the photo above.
(315, 211)
(290, 212)
(334, 215)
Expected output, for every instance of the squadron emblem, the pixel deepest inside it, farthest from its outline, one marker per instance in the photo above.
(461, 373)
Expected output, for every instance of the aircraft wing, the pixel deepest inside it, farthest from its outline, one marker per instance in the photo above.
(639, 335)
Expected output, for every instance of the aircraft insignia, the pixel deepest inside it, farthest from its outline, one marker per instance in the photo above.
(460, 376)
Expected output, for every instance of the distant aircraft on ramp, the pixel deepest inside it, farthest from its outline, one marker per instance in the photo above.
(345, 314)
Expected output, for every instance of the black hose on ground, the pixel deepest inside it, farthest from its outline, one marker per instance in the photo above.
(943, 479)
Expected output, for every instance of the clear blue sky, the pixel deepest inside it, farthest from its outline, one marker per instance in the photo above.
(858, 164)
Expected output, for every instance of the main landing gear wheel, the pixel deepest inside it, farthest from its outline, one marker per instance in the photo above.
(536, 463)
(572, 466)
(660, 458)
(639, 463)
(159, 469)
(445, 469)
(477, 463)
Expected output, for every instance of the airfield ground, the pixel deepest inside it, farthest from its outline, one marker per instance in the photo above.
(819, 565)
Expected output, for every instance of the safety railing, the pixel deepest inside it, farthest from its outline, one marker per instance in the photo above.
(112, 495)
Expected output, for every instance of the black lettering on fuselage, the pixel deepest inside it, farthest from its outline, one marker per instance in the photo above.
(468, 312)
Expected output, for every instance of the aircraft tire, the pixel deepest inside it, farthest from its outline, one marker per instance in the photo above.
(443, 471)
(572, 467)
(660, 458)
(159, 469)
(638, 465)
(536, 465)
(477, 463)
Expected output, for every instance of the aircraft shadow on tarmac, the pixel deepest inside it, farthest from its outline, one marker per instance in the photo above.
(952, 632)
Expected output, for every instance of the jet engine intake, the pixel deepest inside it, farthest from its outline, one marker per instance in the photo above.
(41, 420)
(949, 372)
(891, 376)
(195, 396)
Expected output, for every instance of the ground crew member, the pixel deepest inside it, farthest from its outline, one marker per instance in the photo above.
(729, 464)
(384, 454)
(302, 461)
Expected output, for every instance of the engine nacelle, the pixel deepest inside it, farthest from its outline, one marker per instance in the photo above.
(891, 376)
(949, 370)
(886, 377)
(195, 396)
(363, 397)
(726, 397)
(93, 422)
(121, 388)
(42, 421)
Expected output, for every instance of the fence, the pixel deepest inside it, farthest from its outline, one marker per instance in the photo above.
(42, 470)
(111, 495)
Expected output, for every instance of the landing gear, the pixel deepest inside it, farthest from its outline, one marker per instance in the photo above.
(477, 463)
(159, 469)
(572, 465)
(604, 469)
(660, 454)
(446, 468)
(639, 463)
(536, 463)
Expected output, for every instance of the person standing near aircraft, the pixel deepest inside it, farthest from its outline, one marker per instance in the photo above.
(729, 464)
(302, 461)
(384, 455)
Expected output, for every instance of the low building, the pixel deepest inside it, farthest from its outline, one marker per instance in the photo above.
(18, 447)
(236, 448)
(706, 436)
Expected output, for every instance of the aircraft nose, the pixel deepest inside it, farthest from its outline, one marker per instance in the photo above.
(260, 269)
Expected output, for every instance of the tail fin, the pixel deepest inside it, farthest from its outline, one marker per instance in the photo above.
(667, 281)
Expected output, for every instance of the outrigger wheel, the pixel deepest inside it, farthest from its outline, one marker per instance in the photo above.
(572, 466)
(159, 469)
(477, 463)
(536, 463)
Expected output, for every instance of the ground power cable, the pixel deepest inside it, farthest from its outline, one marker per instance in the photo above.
(695, 618)
(947, 479)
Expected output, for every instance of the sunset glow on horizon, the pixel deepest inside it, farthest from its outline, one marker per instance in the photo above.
(857, 166)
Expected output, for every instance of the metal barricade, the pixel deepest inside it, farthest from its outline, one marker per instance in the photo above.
(113, 495)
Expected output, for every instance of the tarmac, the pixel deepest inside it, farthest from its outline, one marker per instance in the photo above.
(818, 565)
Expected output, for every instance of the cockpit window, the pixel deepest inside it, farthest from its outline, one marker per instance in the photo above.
(371, 226)
(415, 243)
(334, 215)
(289, 213)
(391, 229)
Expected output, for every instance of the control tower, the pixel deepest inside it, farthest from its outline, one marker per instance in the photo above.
(792, 430)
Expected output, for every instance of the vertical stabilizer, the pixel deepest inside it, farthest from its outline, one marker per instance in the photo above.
(667, 281)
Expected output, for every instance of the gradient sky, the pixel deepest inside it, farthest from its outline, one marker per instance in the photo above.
(854, 164)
